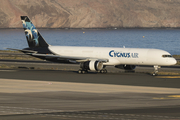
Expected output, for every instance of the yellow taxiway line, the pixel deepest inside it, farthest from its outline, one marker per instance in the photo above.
(167, 76)
(169, 97)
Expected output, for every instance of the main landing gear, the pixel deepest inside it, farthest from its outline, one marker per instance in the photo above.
(103, 71)
(155, 70)
(83, 71)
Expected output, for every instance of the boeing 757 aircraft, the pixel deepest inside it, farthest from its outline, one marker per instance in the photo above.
(92, 58)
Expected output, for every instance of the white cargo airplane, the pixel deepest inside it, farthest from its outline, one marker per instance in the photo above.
(93, 58)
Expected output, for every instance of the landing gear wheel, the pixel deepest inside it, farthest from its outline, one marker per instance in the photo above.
(103, 71)
(82, 71)
(154, 74)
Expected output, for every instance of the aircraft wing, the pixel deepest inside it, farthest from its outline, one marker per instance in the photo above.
(59, 57)
(70, 58)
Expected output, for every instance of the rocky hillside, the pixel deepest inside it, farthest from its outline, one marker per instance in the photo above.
(91, 13)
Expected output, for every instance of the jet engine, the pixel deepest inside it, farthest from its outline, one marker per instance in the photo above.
(126, 67)
(92, 65)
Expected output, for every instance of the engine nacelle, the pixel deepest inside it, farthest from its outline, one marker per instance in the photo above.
(126, 67)
(92, 65)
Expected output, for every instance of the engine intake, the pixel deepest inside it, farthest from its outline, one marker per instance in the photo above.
(92, 65)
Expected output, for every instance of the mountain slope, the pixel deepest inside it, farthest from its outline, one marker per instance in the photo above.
(91, 13)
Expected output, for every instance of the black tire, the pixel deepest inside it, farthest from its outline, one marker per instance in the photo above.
(83, 71)
(103, 71)
(154, 74)
(80, 71)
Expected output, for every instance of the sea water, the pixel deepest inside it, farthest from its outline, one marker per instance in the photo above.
(165, 39)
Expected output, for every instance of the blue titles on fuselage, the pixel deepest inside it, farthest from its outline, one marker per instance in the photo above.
(112, 53)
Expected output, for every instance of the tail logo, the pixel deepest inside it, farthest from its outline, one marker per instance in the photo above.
(31, 32)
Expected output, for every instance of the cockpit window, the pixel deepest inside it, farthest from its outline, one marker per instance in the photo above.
(165, 56)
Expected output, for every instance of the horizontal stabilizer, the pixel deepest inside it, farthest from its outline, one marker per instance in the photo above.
(27, 51)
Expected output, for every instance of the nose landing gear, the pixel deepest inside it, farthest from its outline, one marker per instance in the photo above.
(155, 70)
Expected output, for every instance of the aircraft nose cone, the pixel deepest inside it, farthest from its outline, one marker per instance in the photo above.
(174, 61)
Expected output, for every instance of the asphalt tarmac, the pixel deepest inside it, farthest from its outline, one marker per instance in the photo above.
(46, 65)
(62, 94)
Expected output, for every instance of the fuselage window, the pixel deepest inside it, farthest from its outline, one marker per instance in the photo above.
(165, 56)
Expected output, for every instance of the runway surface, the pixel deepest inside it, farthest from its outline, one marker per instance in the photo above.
(37, 64)
(58, 94)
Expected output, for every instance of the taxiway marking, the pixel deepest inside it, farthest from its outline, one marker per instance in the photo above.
(168, 97)
(167, 76)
